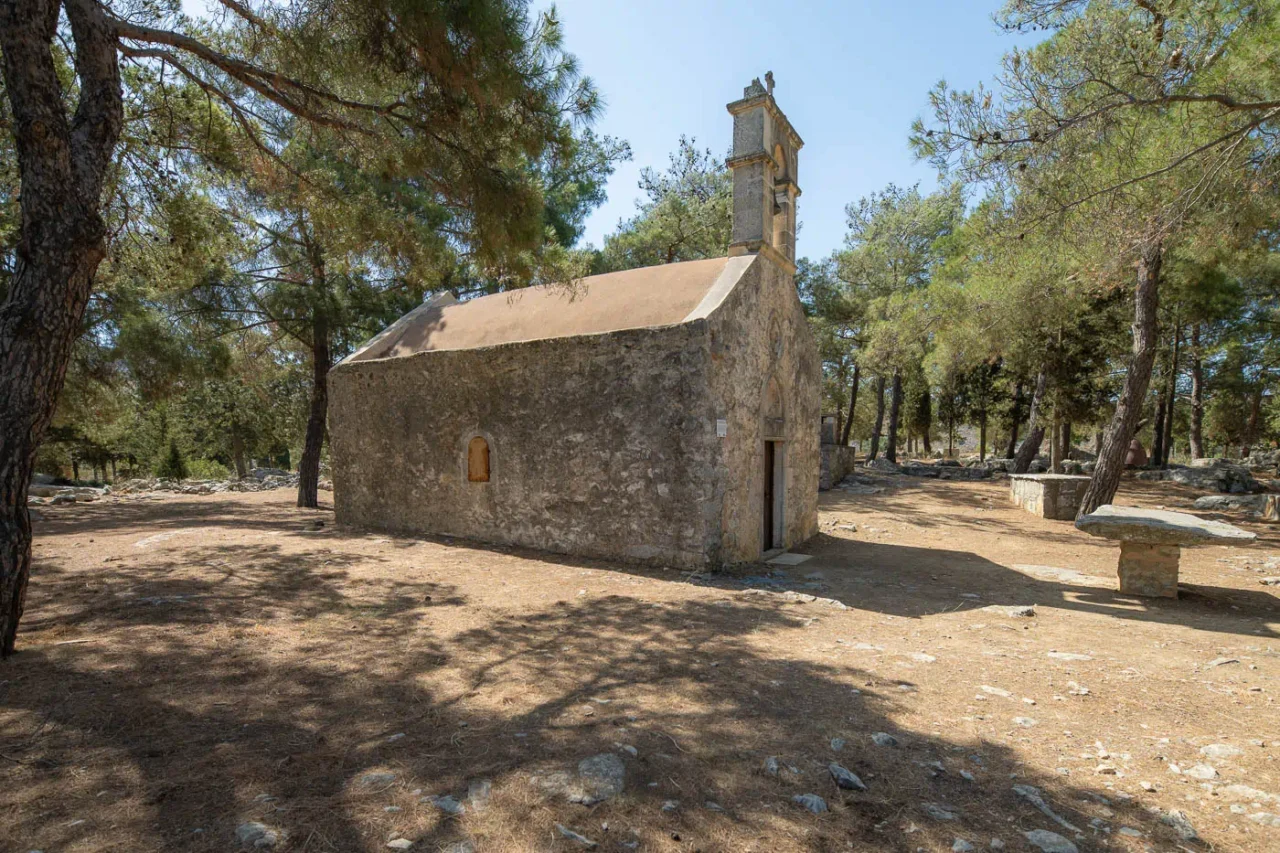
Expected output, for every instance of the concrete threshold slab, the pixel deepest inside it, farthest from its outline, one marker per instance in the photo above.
(788, 559)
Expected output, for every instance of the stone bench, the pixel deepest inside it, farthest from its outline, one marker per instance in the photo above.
(1055, 496)
(1151, 542)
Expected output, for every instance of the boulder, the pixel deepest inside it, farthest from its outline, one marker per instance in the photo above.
(884, 465)
(1227, 503)
(1222, 477)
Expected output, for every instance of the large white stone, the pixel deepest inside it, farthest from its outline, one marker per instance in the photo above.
(1158, 527)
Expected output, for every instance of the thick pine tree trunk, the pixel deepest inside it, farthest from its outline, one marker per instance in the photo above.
(1196, 433)
(853, 405)
(875, 432)
(309, 466)
(1066, 440)
(1035, 430)
(895, 412)
(62, 240)
(1146, 302)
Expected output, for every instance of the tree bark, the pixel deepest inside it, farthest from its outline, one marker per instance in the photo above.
(61, 242)
(853, 404)
(982, 436)
(1106, 476)
(1251, 425)
(1055, 443)
(1014, 418)
(237, 454)
(1157, 431)
(1171, 395)
(928, 422)
(1196, 437)
(875, 432)
(1035, 430)
(309, 466)
(1065, 435)
(895, 412)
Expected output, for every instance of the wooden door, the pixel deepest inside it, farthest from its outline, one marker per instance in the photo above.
(769, 486)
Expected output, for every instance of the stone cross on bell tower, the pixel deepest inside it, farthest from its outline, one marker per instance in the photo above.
(765, 148)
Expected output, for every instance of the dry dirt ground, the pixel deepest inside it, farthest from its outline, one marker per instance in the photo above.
(194, 663)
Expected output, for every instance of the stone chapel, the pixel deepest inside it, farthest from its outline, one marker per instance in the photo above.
(665, 415)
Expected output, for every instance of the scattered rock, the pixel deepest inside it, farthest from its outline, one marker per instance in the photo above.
(1221, 751)
(961, 846)
(603, 776)
(399, 844)
(1015, 611)
(670, 805)
(478, 794)
(257, 836)
(1181, 824)
(1217, 662)
(884, 739)
(995, 691)
(573, 836)
(1201, 771)
(373, 780)
(937, 812)
(1025, 722)
(883, 465)
(1069, 656)
(1266, 819)
(448, 805)
(1033, 795)
(845, 778)
(812, 802)
(1049, 842)
(770, 766)
(837, 744)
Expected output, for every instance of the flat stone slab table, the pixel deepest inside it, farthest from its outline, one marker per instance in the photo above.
(1055, 496)
(1151, 542)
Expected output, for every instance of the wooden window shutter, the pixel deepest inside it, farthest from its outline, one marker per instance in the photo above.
(478, 460)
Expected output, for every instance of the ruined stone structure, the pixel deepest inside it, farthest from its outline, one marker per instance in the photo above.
(662, 415)
(1055, 496)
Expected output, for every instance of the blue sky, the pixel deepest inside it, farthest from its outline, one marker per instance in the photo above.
(850, 75)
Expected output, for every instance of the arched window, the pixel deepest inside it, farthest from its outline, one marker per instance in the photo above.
(478, 460)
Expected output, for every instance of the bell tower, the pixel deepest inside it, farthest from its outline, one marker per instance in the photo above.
(764, 160)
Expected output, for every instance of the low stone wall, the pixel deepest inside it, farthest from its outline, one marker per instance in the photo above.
(1055, 496)
(838, 462)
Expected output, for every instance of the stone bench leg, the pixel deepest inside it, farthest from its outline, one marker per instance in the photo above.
(1150, 570)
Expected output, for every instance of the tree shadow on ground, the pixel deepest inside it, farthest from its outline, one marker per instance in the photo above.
(177, 513)
(903, 580)
(167, 734)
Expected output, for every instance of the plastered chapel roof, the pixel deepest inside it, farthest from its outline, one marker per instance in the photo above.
(664, 295)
